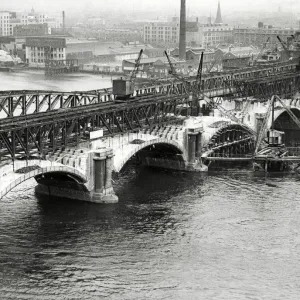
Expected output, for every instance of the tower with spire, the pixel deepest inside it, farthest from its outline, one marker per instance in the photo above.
(219, 16)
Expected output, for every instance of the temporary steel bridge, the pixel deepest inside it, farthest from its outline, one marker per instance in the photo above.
(42, 121)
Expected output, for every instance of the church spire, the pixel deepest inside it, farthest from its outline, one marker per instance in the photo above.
(219, 16)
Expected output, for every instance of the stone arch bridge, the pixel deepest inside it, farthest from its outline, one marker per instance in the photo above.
(85, 173)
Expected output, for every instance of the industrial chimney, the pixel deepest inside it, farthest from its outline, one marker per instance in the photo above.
(182, 35)
(63, 21)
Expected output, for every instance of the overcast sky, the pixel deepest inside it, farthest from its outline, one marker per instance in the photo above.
(168, 6)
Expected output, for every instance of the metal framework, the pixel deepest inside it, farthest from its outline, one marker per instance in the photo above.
(264, 127)
(16, 103)
(284, 84)
(231, 140)
(42, 121)
(45, 132)
(136, 67)
(21, 103)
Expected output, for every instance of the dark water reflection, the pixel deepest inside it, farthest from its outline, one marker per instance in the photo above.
(173, 235)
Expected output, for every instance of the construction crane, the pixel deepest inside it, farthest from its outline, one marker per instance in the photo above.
(124, 88)
(185, 87)
(216, 61)
(136, 66)
(270, 109)
(283, 44)
(199, 95)
(266, 43)
(264, 47)
(259, 55)
(197, 88)
(174, 73)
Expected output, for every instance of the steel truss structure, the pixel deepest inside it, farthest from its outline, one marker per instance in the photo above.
(45, 132)
(241, 83)
(285, 85)
(22, 103)
(231, 140)
(42, 121)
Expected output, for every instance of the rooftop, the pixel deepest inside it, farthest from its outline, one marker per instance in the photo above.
(243, 51)
(153, 60)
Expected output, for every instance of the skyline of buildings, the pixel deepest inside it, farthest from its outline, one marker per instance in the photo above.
(206, 33)
(9, 20)
(169, 6)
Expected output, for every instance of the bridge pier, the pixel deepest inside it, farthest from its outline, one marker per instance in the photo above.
(194, 146)
(259, 119)
(102, 168)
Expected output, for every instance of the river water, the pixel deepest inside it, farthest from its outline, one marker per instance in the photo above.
(35, 79)
(228, 234)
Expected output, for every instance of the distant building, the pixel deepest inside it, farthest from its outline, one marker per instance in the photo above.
(154, 52)
(14, 45)
(54, 22)
(237, 57)
(37, 49)
(118, 34)
(209, 35)
(4, 23)
(161, 33)
(30, 18)
(219, 16)
(259, 35)
(155, 66)
(193, 56)
(33, 17)
(126, 53)
(31, 30)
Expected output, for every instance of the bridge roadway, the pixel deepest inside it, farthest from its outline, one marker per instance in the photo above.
(24, 102)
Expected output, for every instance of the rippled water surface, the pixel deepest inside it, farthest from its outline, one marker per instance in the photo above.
(173, 235)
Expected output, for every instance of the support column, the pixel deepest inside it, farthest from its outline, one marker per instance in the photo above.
(198, 144)
(109, 167)
(193, 144)
(259, 122)
(102, 163)
(191, 148)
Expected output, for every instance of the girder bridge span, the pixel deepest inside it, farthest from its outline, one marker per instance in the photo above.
(284, 77)
(45, 132)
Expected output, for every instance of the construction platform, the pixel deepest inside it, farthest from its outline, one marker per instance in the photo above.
(277, 159)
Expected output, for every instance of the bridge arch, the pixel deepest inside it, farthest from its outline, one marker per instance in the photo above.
(230, 139)
(122, 158)
(74, 174)
(283, 122)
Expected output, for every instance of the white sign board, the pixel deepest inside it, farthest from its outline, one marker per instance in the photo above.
(96, 134)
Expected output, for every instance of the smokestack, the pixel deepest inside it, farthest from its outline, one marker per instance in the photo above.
(182, 37)
(63, 21)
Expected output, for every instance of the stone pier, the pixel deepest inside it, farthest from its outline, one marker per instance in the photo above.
(194, 130)
(94, 184)
(102, 166)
